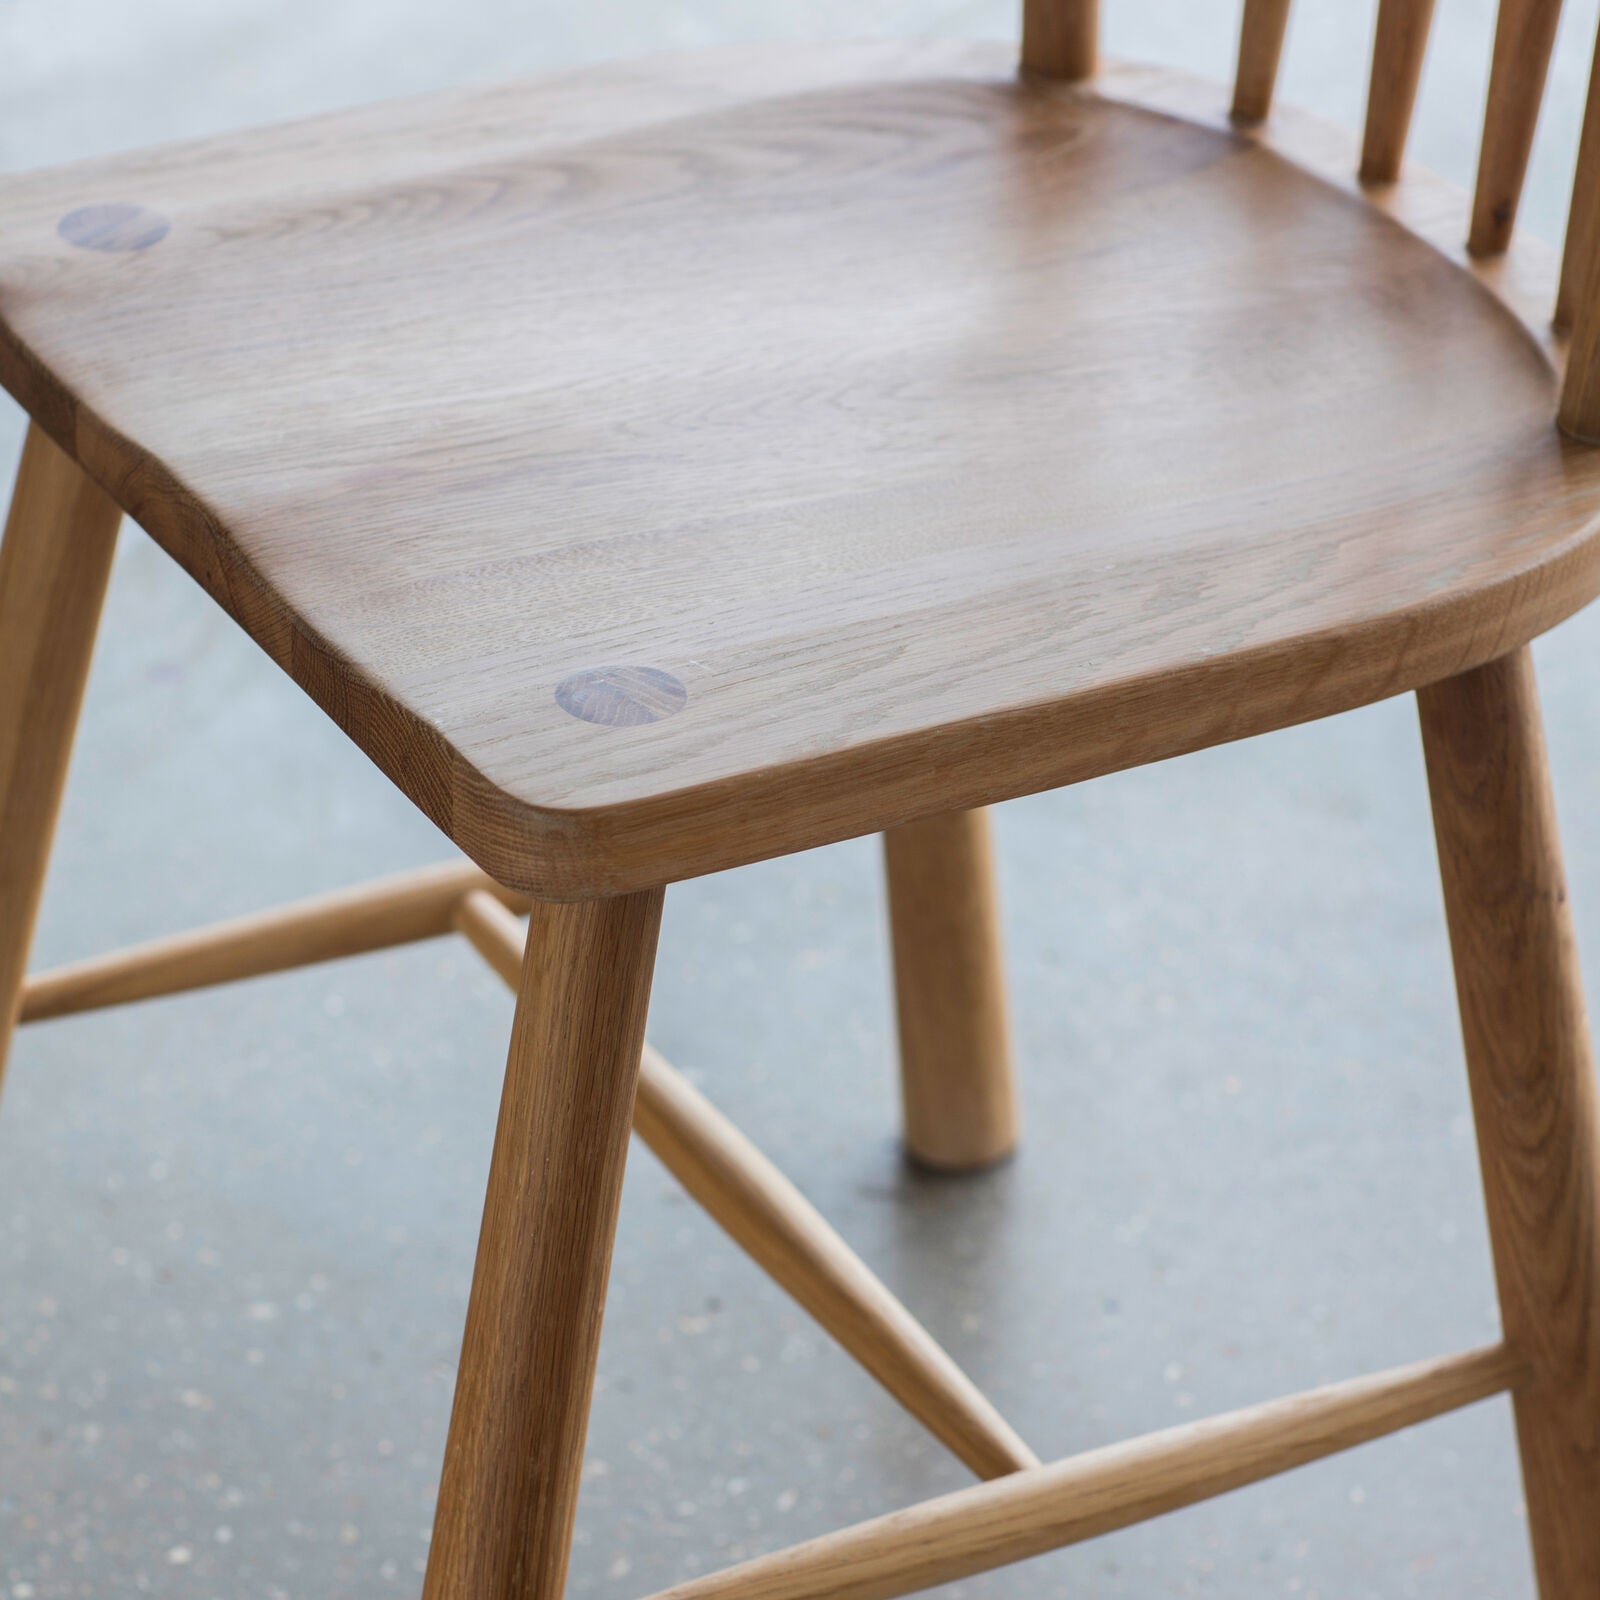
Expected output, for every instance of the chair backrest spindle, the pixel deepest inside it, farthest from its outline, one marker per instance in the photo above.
(1523, 39)
(1060, 38)
(1578, 304)
(1579, 416)
(1059, 41)
(1583, 220)
(1397, 52)
(1260, 49)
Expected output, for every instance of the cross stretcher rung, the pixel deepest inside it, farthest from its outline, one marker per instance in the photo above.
(768, 1218)
(743, 1192)
(372, 916)
(1026, 1509)
(993, 1524)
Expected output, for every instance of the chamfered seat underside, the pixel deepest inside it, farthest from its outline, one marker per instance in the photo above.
(662, 467)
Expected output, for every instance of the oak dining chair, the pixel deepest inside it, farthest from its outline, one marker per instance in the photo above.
(669, 466)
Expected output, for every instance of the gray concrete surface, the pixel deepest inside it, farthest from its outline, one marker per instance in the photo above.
(236, 1230)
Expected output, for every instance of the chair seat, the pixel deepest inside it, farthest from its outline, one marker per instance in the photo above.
(659, 468)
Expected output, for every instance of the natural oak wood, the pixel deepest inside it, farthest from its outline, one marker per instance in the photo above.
(678, 465)
(1260, 50)
(950, 992)
(1578, 301)
(1579, 416)
(1582, 247)
(1060, 38)
(799, 554)
(55, 563)
(989, 1525)
(515, 1449)
(1397, 56)
(1525, 34)
(1531, 1069)
(773, 1222)
(769, 1219)
(371, 916)
(496, 934)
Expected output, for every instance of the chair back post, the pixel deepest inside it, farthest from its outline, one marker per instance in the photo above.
(1398, 49)
(1583, 220)
(1260, 49)
(1524, 36)
(1578, 306)
(1060, 38)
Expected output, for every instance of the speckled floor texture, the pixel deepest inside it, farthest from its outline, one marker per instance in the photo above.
(236, 1229)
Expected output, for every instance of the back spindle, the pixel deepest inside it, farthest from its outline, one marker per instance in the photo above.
(1060, 38)
(1523, 39)
(1397, 52)
(1578, 304)
(1583, 220)
(1260, 48)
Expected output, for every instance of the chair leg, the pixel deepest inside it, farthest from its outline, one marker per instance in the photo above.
(955, 1054)
(510, 1482)
(1533, 1088)
(54, 565)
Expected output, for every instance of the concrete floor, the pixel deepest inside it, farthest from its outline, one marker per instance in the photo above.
(236, 1229)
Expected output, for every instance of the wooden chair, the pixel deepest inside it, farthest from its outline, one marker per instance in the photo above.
(670, 466)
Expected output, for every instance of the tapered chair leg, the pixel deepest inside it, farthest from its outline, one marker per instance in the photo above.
(950, 994)
(512, 1462)
(54, 565)
(1533, 1088)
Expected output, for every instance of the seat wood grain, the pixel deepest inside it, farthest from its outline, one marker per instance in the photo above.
(666, 466)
